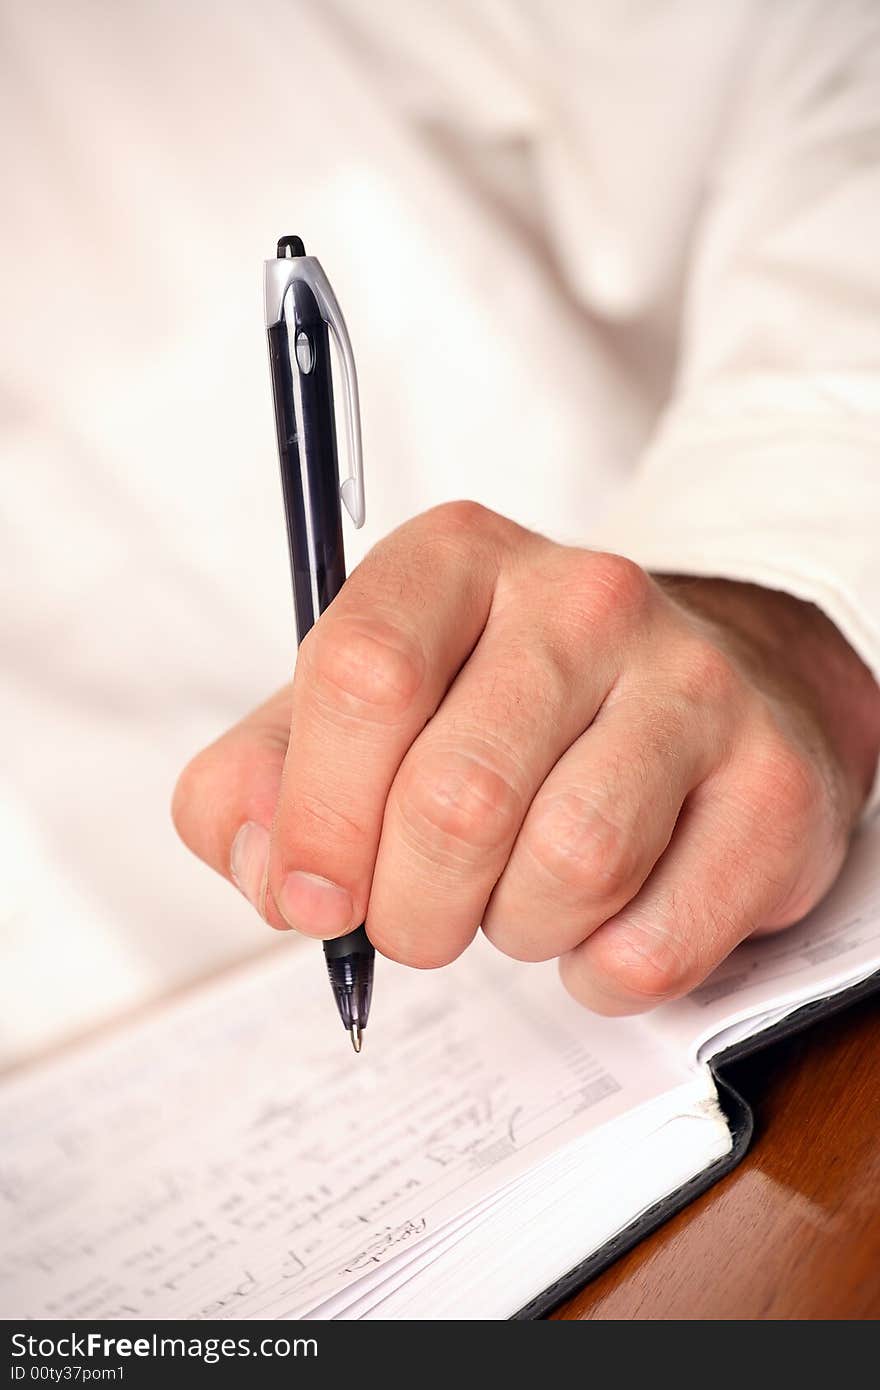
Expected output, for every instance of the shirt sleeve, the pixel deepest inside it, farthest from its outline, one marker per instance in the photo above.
(765, 466)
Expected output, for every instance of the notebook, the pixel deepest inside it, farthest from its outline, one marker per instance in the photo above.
(491, 1148)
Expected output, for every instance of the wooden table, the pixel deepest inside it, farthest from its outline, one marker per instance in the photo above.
(794, 1231)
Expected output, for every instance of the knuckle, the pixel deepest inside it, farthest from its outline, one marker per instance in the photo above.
(646, 968)
(582, 851)
(460, 516)
(456, 802)
(634, 968)
(795, 780)
(788, 789)
(613, 587)
(707, 675)
(365, 668)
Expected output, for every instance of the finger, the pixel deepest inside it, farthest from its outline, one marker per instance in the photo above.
(225, 798)
(598, 825)
(741, 855)
(369, 676)
(460, 797)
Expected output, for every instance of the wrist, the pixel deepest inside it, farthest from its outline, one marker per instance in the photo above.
(792, 645)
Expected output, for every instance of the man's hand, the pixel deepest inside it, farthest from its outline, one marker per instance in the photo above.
(485, 727)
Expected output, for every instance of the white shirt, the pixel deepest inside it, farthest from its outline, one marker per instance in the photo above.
(610, 268)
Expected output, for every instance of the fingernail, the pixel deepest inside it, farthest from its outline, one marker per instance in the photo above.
(248, 860)
(314, 905)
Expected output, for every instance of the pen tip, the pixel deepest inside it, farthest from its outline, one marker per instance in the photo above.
(356, 1036)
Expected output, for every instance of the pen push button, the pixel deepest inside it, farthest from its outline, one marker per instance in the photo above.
(305, 352)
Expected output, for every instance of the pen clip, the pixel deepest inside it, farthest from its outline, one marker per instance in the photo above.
(280, 275)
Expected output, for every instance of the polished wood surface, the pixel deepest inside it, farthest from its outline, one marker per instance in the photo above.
(794, 1231)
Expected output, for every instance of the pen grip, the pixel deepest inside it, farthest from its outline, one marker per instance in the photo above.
(354, 943)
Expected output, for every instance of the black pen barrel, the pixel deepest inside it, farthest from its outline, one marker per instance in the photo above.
(302, 387)
(306, 432)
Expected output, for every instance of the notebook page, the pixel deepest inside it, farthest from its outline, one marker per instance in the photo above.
(554, 1216)
(836, 946)
(556, 1224)
(233, 1159)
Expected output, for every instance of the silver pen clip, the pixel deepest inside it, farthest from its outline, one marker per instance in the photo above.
(279, 278)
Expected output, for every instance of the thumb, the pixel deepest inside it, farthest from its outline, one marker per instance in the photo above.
(225, 799)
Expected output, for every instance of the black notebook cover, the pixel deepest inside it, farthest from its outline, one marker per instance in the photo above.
(741, 1120)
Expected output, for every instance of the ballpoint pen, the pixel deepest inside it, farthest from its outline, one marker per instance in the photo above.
(300, 306)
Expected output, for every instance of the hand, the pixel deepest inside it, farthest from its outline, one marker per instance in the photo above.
(628, 773)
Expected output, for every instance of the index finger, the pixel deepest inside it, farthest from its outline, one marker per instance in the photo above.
(369, 676)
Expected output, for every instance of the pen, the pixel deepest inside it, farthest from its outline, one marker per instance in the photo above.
(300, 307)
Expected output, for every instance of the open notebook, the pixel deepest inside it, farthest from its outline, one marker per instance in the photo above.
(492, 1146)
